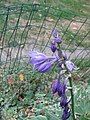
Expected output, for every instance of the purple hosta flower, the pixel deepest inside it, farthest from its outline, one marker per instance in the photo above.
(55, 85)
(70, 66)
(41, 62)
(57, 38)
(37, 57)
(64, 101)
(59, 87)
(62, 89)
(43, 67)
(53, 46)
(55, 33)
(66, 113)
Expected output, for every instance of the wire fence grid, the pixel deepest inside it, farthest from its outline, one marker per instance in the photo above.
(29, 27)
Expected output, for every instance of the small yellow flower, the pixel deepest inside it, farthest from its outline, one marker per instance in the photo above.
(21, 76)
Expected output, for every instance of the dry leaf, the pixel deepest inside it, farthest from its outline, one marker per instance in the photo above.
(10, 80)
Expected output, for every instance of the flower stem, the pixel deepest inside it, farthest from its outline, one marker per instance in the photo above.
(72, 98)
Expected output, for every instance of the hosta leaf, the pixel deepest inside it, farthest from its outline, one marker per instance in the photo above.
(87, 116)
(84, 118)
(39, 117)
(51, 116)
(33, 118)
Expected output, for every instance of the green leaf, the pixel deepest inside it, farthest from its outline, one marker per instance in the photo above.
(84, 118)
(51, 116)
(40, 95)
(33, 118)
(39, 117)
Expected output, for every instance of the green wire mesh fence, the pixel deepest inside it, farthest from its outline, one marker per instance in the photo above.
(29, 27)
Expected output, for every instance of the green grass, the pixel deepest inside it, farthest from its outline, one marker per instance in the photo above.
(79, 6)
(70, 8)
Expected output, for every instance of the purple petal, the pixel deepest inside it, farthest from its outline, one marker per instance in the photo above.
(53, 59)
(61, 89)
(35, 61)
(70, 66)
(41, 62)
(54, 86)
(66, 113)
(55, 33)
(37, 55)
(64, 101)
(46, 66)
(58, 39)
(53, 47)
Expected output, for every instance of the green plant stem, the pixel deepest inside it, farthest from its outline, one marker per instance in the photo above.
(72, 98)
(72, 95)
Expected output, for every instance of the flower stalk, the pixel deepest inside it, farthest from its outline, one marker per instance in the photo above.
(43, 63)
(72, 98)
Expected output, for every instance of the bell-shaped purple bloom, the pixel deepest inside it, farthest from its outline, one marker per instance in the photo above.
(64, 101)
(66, 113)
(55, 86)
(53, 46)
(55, 33)
(36, 57)
(43, 67)
(59, 87)
(70, 66)
(62, 89)
(41, 62)
(57, 38)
